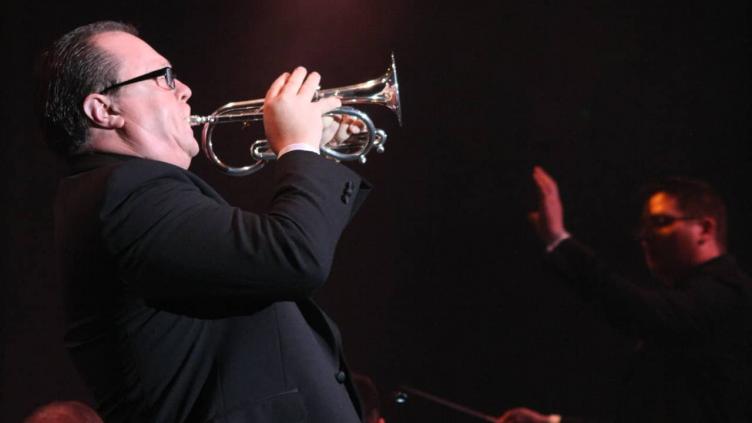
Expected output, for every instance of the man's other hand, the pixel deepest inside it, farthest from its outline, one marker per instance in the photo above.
(548, 220)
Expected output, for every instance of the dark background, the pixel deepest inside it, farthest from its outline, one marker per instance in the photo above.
(439, 282)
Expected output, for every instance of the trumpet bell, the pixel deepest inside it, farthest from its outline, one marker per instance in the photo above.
(382, 91)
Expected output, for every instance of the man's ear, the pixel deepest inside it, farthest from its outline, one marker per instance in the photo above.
(98, 108)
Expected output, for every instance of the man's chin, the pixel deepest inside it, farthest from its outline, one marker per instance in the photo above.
(193, 148)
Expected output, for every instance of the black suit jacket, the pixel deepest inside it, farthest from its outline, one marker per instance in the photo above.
(181, 308)
(692, 363)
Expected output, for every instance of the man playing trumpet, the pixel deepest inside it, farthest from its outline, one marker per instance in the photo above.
(180, 307)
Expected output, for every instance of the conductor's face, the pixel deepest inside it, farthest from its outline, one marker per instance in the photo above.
(154, 111)
(669, 237)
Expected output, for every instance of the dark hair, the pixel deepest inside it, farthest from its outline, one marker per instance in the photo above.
(695, 198)
(64, 412)
(69, 70)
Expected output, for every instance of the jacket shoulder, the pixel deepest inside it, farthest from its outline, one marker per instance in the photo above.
(137, 176)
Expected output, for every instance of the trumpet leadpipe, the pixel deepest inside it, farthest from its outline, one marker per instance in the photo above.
(196, 120)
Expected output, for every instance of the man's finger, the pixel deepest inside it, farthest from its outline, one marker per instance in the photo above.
(310, 85)
(277, 85)
(292, 86)
(540, 182)
(327, 121)
(547, 179)
(343, 132)
(356, 125)
(545, 182)
(328, 104)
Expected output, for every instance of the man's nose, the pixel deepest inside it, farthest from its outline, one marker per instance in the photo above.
(184, 91)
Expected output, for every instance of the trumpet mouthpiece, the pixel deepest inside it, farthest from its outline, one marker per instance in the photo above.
(199, 120)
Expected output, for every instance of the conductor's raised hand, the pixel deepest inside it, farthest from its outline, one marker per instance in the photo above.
(290, 114)
(548, 220)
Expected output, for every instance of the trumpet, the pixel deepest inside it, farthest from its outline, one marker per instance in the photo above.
(383, 91)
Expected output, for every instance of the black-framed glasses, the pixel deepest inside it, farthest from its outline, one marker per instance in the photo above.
(168, 73)
(658, 221)
(663, 220)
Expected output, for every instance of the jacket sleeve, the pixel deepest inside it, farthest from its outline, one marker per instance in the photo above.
(173, 241)
(685, 314)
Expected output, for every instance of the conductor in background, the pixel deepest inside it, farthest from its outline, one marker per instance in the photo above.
(692, 324)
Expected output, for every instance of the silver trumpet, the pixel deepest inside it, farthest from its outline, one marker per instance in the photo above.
(382, 91)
